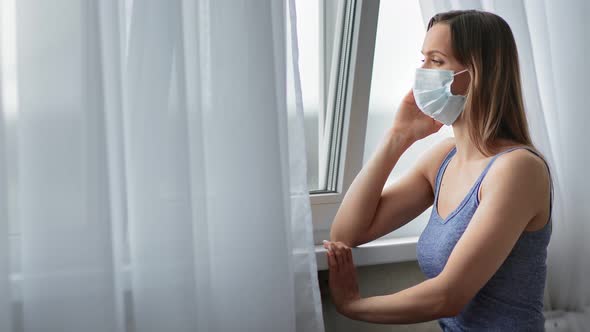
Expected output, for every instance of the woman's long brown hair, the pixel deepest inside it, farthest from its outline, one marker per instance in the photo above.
(494, 107)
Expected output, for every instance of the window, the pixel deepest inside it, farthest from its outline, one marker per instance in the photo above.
(397, 55)
(357, 60)
(336, 44)
(318, 38)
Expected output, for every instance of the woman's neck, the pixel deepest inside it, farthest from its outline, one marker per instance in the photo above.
(466, 150)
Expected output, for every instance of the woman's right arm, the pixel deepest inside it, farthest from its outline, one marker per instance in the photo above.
(368, 211)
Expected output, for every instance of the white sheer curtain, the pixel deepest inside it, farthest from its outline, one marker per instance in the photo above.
(160, 160)
(552, 42)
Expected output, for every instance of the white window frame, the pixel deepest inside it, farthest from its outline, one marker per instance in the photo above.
(356, 107)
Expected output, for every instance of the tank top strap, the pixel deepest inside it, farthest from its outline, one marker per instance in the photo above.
(548, 170)
(476, 186)
(441, 169)
(487, 168)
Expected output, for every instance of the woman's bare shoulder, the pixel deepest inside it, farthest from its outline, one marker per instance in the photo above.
(519, 158)
(527, 167)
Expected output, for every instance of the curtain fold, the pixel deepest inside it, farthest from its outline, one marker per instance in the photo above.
(5, 250)
(551, 41)
(567, 28)
(308, 303)
(162, 178)
(62, 181)
(157, 172)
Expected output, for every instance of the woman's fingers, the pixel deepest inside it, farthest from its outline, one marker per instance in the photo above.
(330, 246)
(350, 259)
(347, 253)
(332, 261)
(338, 254)
(341, 254)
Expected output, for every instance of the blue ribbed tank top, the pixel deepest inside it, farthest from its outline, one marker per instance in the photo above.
(512, 300)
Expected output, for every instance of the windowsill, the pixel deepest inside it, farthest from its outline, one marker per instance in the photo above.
(380, 251)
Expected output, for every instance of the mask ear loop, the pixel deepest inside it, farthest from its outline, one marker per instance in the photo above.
(462, 71)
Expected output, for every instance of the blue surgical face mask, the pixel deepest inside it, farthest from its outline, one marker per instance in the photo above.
(432, 93)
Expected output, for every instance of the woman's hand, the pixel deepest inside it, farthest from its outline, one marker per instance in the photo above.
(342, 279)
(412, 122)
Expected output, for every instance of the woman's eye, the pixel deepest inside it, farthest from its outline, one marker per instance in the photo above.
(437, 62)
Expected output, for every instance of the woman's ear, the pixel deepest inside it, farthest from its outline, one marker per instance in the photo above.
(461, 83)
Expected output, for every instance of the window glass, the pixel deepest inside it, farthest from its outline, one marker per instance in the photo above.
(400, 34)
(316, 33)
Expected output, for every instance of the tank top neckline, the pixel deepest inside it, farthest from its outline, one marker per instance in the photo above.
(465, 199)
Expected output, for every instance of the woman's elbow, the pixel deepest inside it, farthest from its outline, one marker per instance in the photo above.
(450, 304)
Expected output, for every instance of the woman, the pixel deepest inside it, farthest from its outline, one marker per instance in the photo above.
(484, 248)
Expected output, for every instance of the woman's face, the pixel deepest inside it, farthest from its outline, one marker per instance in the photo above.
(438, 54)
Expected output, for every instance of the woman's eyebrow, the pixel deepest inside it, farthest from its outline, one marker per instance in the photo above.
(433, 51)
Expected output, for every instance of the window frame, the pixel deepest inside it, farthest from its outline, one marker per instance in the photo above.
(357, 92)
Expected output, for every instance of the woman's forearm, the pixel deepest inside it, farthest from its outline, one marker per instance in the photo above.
(360, 203)
(421, 303)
